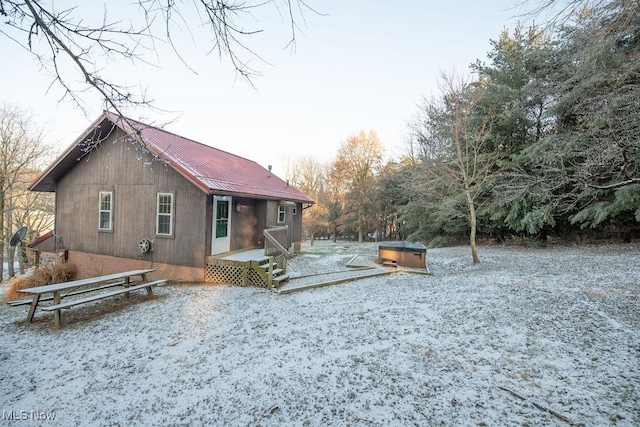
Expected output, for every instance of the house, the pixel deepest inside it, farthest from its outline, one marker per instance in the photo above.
(129, 195)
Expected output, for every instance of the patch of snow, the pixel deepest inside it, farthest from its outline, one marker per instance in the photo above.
(559, 326)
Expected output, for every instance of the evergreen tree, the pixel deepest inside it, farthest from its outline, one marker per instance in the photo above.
(598, 111)
(516, 84)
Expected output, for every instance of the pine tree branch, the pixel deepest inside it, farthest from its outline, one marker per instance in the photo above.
(616, 185)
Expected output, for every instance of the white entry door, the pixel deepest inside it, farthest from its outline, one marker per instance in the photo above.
(221, 239)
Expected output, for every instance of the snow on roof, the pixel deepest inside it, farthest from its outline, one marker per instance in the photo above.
(211, 169)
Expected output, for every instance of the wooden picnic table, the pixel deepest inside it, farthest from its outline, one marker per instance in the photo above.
(58, 289)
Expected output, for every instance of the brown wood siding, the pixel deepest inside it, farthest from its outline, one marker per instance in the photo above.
(244, 230)
(123, 169)
(261, 220)
(46, 245)
(271, 214)
(208, 226)
(296, 224)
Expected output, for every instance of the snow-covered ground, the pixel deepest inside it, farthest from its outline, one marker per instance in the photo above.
(528, 337)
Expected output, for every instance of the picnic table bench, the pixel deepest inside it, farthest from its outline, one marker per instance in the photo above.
(82, 286)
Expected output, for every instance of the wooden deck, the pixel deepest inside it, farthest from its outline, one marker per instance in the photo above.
(249, 267)
(298, 284)
(246, 255)
(359, 267)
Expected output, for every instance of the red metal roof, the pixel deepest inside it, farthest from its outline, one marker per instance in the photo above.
(211, 169)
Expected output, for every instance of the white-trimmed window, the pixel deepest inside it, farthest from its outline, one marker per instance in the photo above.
(282, 214)
(164, 217)
(105, 208)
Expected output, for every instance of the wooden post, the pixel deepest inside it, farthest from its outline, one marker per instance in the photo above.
(270, 273)
(57, 315)
(32, 310)
(126, 284)
(144, 280)
(245, 272)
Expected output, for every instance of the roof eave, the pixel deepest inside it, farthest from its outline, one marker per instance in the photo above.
(257, 196)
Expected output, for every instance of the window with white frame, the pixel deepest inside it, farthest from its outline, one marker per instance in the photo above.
(164, 218)
(105, 208)
(281, 214)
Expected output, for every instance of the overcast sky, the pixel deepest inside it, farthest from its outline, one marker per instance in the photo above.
(361, 65)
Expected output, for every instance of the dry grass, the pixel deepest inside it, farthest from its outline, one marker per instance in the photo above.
(15, 284)
(44, 275)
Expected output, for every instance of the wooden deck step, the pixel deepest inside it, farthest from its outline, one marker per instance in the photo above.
(275, 271)
(266, 266)
(281, 278)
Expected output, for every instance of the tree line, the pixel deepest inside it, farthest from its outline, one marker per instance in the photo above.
(23, 156)
(542, 139)
(539, 140)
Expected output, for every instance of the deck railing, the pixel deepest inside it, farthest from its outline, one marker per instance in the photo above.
(276, 241)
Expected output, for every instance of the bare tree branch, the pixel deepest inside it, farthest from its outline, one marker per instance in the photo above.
(55, 37)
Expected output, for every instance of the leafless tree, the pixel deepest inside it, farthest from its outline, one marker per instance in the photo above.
(79, 52)
(359, 159)
(452, 140)
(621, 14)
(21, 151)
(310, 176)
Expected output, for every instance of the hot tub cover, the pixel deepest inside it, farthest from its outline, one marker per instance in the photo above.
(403, 246)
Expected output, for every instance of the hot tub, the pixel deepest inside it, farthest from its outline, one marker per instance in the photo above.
(403, 253)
